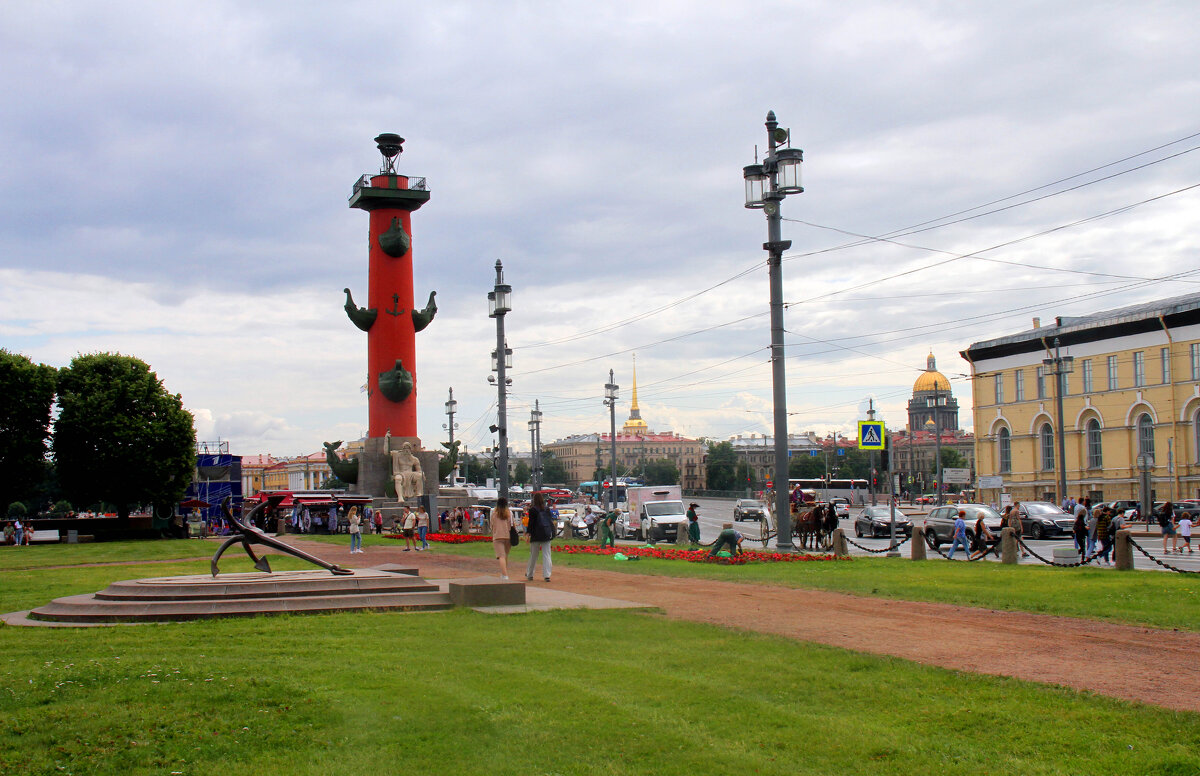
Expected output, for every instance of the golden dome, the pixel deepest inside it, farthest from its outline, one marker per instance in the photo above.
(929, 381)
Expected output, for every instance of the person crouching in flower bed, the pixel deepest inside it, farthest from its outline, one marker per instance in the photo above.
(730, 537)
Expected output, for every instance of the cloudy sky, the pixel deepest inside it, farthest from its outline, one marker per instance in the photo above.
(174, 179)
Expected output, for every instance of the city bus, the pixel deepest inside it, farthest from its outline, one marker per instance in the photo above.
(820, 489)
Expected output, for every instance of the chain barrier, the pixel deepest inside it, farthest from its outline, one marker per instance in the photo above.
(935, 548)
(1076, 564)
(1159, 562)
(895, 546)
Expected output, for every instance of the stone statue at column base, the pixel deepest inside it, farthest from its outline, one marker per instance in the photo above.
(406, 473)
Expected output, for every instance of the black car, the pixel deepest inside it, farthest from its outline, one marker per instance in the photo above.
(877, 521)
(1040, 519)
(749, 509)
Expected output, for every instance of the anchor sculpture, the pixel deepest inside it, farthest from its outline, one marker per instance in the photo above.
(248, 535)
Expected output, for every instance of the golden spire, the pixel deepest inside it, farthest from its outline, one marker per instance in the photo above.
(635, 424)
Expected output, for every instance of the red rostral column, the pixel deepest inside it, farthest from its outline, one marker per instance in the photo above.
(390, 320)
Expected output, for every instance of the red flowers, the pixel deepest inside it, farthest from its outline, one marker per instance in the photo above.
(445, 538)
(694, 556)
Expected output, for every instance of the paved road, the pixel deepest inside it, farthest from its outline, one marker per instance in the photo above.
(713, 512)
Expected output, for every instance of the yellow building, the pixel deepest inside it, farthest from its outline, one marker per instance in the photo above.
(1134, 390)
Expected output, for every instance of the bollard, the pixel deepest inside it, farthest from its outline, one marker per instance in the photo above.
(1123, 551)
(918, 542)
(1008, 545)
(840, 548)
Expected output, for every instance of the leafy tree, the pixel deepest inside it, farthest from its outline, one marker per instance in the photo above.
(721, 464)
(662, 471)
(120, 436)
(28, 391)
(16, 510)
(477, 469)
(952, 459)
(804, 467)
(553, 469)
(521, 473)
(334, 483)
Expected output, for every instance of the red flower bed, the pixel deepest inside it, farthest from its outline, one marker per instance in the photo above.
(694, 556)
(446, 538)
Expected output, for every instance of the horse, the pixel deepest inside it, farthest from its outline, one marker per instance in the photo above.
(807, 526)
(828, 526)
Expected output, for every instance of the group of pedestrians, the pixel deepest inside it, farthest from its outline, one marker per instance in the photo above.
(17, 533)
(1176, 529)
(540, 533)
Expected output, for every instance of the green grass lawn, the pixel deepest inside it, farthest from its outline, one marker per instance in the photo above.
(40, 555)
(568, 692)
(1154, 598)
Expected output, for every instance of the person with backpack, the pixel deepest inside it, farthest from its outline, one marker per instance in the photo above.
(1166, 521)
(541, 533)
(1102, 536)
(1079, 528)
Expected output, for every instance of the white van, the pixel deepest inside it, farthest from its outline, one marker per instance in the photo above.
(654, 513)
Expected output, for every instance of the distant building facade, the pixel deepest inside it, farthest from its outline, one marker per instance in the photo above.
(1134, 391)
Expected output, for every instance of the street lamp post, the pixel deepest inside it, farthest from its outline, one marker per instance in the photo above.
(535, 442)
(766, 186)
(610, 399)
(500, 303)
(451, 408)
(1059, 366)
(937, 401)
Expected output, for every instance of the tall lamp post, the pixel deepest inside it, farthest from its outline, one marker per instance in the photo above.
(535, 442)
(937, 401)
(500, 303)
(610, 399)
(766, 186)
(451, 408)
(1059, 366)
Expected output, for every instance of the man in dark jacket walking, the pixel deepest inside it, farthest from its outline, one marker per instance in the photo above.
(541, 532)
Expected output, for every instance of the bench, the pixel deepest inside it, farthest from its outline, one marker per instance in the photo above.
(45, 535)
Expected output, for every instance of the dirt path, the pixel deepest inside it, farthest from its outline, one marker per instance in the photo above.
(1134, 663)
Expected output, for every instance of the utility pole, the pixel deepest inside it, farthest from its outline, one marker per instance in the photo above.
(610, 398)
(871, 482)
(1060, 366)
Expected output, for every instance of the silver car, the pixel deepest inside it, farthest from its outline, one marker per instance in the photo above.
(940, 522)
(749, 509)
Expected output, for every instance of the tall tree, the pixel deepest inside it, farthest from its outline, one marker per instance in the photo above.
(662, 471)
(521, 473)
(721, 465)
(553, 470)
(28, 391)
(120, 437)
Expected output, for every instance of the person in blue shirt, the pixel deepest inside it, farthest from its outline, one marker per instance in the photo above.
(960, 535)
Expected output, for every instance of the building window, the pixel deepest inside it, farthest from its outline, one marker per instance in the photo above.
(1196, 437)
(1165, 353)
(1145, 432)
(1139, 369)
(1019, 378)
(1087, 375)
(1095, 457)
(1041, 384)
(999, 388)
(1112, 373)
(1194, 353)
(1046, 436)
(1004, 443)
(1064, 385)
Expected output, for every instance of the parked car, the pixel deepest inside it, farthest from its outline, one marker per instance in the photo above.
(749, 509)
(841, 506)
(1122, 506)
(940, 521)
(1040, 519)
(877, 521)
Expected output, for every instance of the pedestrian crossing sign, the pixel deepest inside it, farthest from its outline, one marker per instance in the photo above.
(870, 435)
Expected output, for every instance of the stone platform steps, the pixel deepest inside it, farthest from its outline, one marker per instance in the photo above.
(173, 599)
